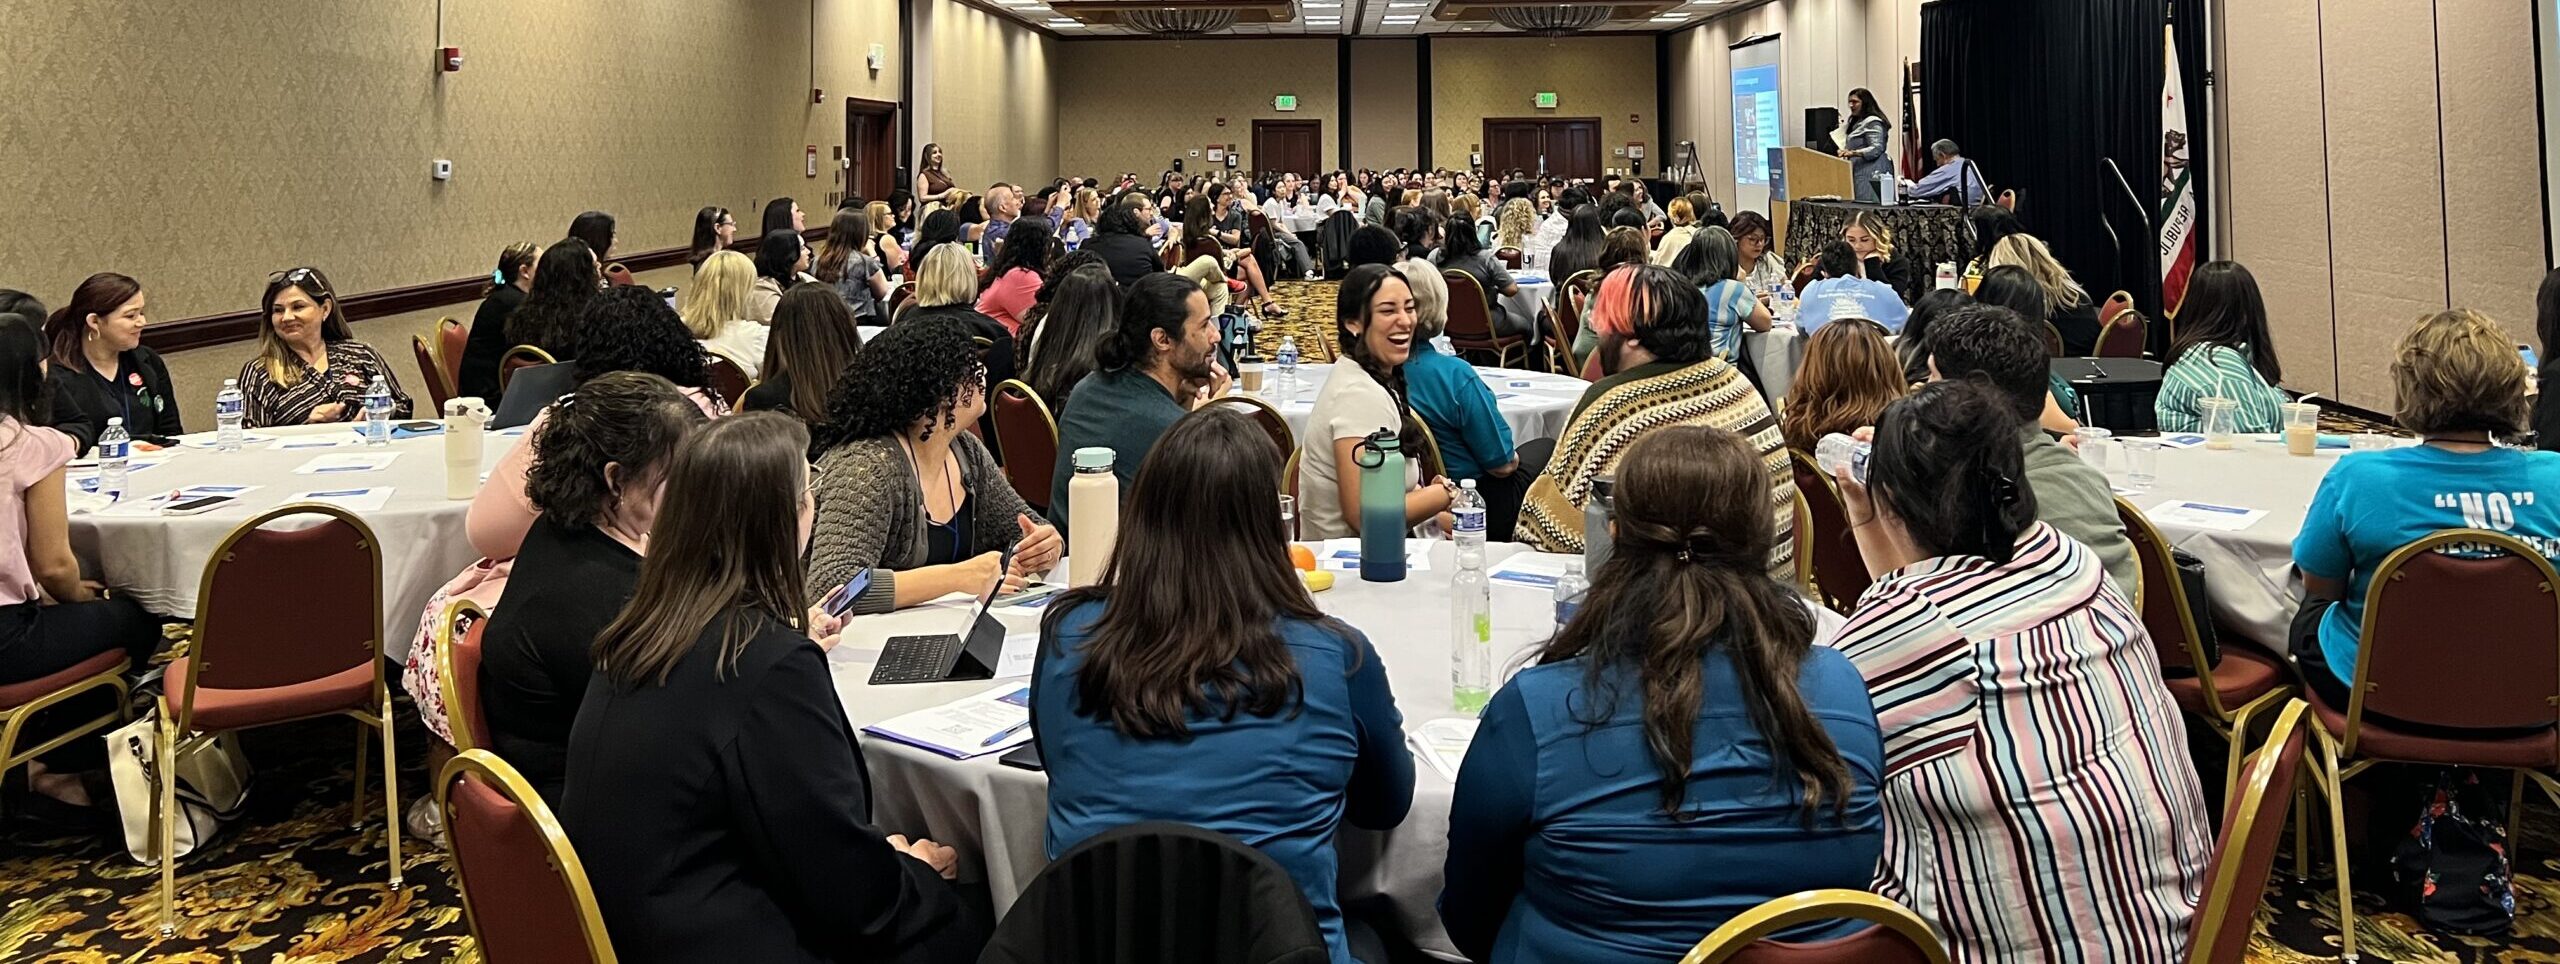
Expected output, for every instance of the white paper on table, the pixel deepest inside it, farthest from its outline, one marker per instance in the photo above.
(1442, 744)
(1343, 555)
(348, 464)
(360, 500)
(990, 722)
(1531, 570)
(2181, 440)
(1019, 649)
(2204, 515)
(209, 440)
(311, 442)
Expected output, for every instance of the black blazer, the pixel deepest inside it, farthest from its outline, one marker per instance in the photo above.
(1130, 256)
(488, 344)
(149, 410)
(569, 583)
(2546, 410)
(726, 817)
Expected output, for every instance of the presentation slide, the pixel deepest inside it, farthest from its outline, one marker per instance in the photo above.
(1759, 122)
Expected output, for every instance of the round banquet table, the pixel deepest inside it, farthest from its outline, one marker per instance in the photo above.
(160, 560)
(997, 816)
(1535, 289)
(2250, 571)
(1536, 404)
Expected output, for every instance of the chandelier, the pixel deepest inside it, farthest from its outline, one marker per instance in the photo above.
(1179, 22)
(1552, 20)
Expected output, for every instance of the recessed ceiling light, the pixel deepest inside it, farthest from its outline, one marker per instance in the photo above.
(1670, 18)
(1407, 6)
(1062, 21)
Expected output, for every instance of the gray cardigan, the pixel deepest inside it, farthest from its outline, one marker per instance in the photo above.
(871, 515)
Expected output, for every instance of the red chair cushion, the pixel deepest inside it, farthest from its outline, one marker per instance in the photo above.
(221, 709)
(521, 908)
(2242, 676)
(2539, 750)
(14, 695)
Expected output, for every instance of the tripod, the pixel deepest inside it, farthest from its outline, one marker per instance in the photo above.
(1684, 165)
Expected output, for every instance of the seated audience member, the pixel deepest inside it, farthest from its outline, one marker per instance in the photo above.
(1462, 251)
(1199, 683)
(719, 798)
(1003, 204)
(1618, 246)
(780, 261)
(1083, 214)
(1416, 229)
(848, 264)
(947, 287)
(1872, 242)
(1512, 225)
(597, 230)
(1374, 247)
(2068, 307)
(1201, 220)
(509, 287)
(52, 619)
(1992, 224)
(20, 308)
(1688, 685)
(2223, 350)
(309, 368)
(1684, 225)
(812, 342)
(1449, 397)
(566, 279)
(910, 506)
(1125, 238)
(2546, 327)
(1015, 277)
(1083, 311)
(1762, 268)
(1912, 345)
(713, 231)
(714, 309)
(1840, 291)
(1992, 345)
(2040, 801)
(784, 214)
(884, 238)
(1363, 395)
(1711, 261)
(1653, 347)
(2460, 386)
(1575, 245)
(2013, 288)
(1849, 375)
(594, 480)
(100, 365)
(1160, 363)
(624, 331)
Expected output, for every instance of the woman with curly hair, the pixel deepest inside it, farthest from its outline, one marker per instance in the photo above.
(625, 329)
(910, 507)
(1512, 227)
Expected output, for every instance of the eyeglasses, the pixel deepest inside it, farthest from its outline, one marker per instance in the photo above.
(304, 278)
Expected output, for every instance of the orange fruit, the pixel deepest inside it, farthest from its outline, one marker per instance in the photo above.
(1302, 556)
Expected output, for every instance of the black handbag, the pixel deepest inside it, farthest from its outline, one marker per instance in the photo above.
(2199, 604)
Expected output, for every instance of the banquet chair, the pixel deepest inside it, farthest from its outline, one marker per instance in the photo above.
(289, 627)
(1828, 564)
(1471, 321)
(520, 357)
(1029, 436)
(2414, 680)
(1510, 258)
(2252, 822)
(728, 375)
(1289, 487)
(1159, 893)
(899, 295)
(1572, 299)
(2223, 694)
(1898, 937)
(1429, 457)
(511, 857)
(431, 372)
(458, 632)
(21, 702)
(619, 275)
(1263, 415)
(452, 342)
(2121, 330)
(1559, 342)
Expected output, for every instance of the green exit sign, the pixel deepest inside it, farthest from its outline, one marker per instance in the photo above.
(1285, 102)
(1547, 99)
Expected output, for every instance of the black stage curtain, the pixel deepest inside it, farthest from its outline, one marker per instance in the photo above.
(2041, 93)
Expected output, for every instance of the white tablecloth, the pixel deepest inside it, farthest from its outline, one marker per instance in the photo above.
(1777, 352)
(1535, 289)
(1535, 403)
(160, 560)
(2250, 572)
(996, 816)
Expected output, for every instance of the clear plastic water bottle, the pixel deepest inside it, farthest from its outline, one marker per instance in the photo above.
(1469, 511)
(1470, 630)
(1598, 510)
(377, 412)
(1287, 360)
(115, 452)
(229, 407)
(1783, 305)
(1569, 591)
(1836, 450)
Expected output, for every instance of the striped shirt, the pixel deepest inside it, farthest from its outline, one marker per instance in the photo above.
(2224, 370)
(352, 365)
(2039, 802)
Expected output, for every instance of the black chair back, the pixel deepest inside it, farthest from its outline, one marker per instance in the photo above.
(1160, 893)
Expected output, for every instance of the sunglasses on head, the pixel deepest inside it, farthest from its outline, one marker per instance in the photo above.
(303, 278)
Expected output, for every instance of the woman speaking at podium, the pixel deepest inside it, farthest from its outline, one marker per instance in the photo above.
(1865, 136)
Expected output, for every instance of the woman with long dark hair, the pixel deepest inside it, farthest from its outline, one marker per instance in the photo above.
(310, 369)
(510, 286)
(1464, 251)
(100, 364)
(2223, 349)
(1364, 394)
(563, 282)
(1084, 310)
(627, 328)
(1198, 682)
(2036, 771)
(713, 231)
(1689, 683)
(1849, 375)
(722, 803)
(1866, 142)
(1913, 344)
(938, 228)
(813, 339)
(1579, 250)
(931, 180)
(1014, 278)
(784, 214)
(848, 264)
(782, 260)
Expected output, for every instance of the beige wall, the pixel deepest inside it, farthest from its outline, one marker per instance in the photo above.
(1385, 73)
(2338, 197)
(992, 103)
(1473, 78)
(1147, 102)
(206, 144)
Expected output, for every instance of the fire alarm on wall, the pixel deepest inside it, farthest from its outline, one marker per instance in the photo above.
(449, 58)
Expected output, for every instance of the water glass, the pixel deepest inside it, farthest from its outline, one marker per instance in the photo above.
(1289, 516)
(2141, 463)
(2221, 421)
(2094, 443)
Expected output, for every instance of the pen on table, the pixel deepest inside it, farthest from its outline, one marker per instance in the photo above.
(1007, 733)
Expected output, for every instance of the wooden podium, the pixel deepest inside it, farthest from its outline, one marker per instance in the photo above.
(1810, 173)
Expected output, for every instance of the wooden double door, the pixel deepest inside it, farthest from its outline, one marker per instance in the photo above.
(1565, 146)
(1288, 147)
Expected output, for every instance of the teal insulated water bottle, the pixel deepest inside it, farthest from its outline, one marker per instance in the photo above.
(1381, 461)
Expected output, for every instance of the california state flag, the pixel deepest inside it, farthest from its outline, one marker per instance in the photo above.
(2177, 193)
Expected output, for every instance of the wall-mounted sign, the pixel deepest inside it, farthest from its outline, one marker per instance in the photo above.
(1285, 102)
(1546, 99)
(1217, 153)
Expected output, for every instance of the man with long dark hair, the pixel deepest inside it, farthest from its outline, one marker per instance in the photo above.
(1160, 364)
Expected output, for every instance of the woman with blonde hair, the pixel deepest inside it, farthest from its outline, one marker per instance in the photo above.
(714, 309)
(1850, 374)
(2068, 306)
(947, 287)
(1082, 214)
(1517, 219)
(1872, 241)
(884, 236)
(1684, 225)
(310, 368)
(1466, 209)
